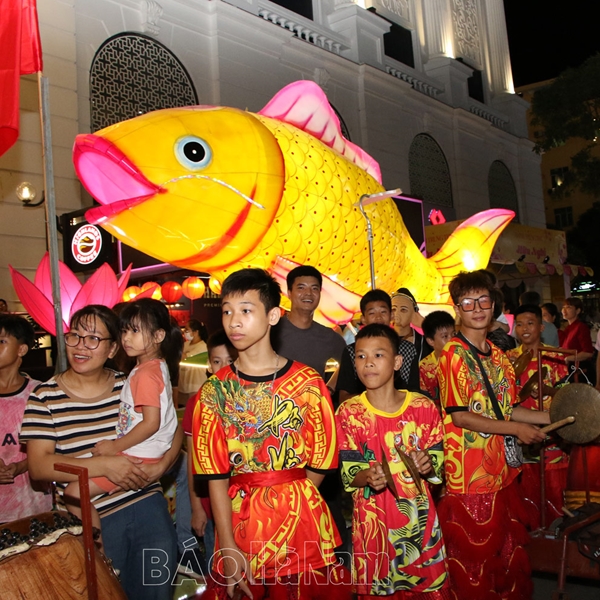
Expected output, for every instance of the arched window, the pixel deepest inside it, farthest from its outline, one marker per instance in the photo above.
(501, 189)
(428, 172)
(132, 74)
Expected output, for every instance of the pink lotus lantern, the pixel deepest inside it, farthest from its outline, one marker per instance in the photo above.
(101, 288)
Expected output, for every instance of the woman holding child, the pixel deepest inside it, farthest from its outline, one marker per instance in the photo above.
(66, 417)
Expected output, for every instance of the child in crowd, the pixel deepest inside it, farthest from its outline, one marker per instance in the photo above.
(147, 417)
(390, 438)
(529, 327)
(264, 435)
(438, 329)
(220, 354)
(19, 495)
(376, 307)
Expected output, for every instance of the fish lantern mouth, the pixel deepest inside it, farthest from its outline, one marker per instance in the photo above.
(110, 177)
(196, 187)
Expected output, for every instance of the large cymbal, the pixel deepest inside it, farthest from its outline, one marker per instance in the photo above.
(583, 402)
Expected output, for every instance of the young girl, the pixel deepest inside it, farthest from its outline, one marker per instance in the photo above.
(147, 418)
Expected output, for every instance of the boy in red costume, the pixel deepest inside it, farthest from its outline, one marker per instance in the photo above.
(479, 513)
(264, 435)
(528, 329)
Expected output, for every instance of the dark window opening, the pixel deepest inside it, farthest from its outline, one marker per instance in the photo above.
(563, 217)
(397, 43)
(300, 7)
(475, 83)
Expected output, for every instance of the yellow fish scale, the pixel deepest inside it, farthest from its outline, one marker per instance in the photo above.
(317, 224)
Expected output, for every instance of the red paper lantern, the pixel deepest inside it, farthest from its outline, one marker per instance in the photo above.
(193, 288)
(171, 291)
(131, 292)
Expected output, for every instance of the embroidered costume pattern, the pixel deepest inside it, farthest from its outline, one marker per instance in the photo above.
(428, 378)
(397, 544)
(245, 426)
(482, 515)
(475, 463)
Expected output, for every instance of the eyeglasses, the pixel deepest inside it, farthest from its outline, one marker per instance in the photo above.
(468, 304)
(91, 342)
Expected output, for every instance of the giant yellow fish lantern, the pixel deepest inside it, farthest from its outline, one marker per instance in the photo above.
(216, 189)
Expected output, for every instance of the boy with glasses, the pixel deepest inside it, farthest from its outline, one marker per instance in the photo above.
(480, 509)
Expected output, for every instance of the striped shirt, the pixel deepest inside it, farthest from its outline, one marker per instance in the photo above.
(76, 425)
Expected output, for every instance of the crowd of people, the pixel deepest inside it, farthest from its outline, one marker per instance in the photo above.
(415, 426)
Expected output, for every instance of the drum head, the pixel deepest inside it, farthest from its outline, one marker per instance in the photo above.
(583, 402)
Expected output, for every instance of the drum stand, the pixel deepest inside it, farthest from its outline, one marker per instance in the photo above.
(544, 548)
(86, 519)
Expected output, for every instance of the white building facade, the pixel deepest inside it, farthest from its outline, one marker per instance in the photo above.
(424, 86)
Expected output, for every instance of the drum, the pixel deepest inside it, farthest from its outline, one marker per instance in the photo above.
(43, 557)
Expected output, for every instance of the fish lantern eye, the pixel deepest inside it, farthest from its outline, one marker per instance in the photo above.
(193, 152)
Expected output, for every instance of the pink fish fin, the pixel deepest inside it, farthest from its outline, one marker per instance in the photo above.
(338, 305)
(35, 302)
(305, 105)
(470, 245)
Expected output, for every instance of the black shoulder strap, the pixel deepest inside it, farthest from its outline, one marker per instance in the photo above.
(486, 381)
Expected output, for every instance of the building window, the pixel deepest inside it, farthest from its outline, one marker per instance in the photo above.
(475, 86)
(557, 178)
(300, 7)
(132, 74)
(428, 172)
(563, 217)
(501, 189)
(397, 43)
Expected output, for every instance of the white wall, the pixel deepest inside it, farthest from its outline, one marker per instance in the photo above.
(237, 58)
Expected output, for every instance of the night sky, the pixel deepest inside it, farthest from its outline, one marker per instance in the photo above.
(545, 37)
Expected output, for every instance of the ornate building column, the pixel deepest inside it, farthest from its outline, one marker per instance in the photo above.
(439, 39)
(500, 76)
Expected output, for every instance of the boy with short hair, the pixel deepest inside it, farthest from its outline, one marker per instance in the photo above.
(19, 495)
(480, 510)
(397, 540)
(220, 354)
(438, 329)
(529, 327)
(264, 435)
(376, 307)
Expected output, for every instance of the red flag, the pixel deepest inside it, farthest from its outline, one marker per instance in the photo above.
(20, 54)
